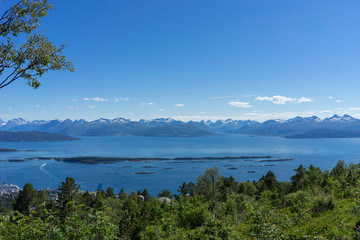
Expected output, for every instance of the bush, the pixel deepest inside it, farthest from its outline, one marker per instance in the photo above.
(323, 203)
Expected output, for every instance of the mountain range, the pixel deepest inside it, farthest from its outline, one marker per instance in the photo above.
(345, 126)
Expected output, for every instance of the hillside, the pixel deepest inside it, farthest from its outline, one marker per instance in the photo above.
(32, 136)
(327, 133)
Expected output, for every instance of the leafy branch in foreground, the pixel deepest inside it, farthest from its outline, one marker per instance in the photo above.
(30, 58)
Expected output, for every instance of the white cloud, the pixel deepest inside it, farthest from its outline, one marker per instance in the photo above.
(327, 111)
(121, 99)
(145, 103)
(355, 108)
(283, 100)
(179, 105)
(10, 108)
(304, 99)
(339, 101)
(91, 106)
(161, 110)
(99, 99)
(238, 104)
(74, 99)
(331, 97)
(95, 99)
(37, 105)
(222, 97)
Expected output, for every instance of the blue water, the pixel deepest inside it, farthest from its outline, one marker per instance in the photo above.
(322, 153)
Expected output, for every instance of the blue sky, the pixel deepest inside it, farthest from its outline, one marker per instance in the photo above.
(194, 60)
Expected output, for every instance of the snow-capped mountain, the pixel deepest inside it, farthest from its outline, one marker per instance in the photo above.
(122, 126)
(299, 125)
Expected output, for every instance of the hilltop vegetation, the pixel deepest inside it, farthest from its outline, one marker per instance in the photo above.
(315, 204)
(33, 136)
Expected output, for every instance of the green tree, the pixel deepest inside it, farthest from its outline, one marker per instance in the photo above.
(26, 199)
(268, 182)
(165, 193)
(69, 190)
(30, 58)
(187, 189)
(208, 186)
(110, 192)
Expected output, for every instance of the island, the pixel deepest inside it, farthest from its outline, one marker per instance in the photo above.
(33, 136)
(110, 160)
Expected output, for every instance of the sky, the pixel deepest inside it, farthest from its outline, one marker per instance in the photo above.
(195, 60)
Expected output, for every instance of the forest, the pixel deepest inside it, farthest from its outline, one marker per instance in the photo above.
(315, 204)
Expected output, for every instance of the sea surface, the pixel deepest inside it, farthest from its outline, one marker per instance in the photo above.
(323, 153)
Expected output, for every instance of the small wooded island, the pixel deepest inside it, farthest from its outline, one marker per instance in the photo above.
(110, 160)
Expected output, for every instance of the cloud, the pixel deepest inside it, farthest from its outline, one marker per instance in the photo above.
(37, 105)
(283, 100)
(70, 107)
(337, 100)
(74, 99)
(96, 99)
(355, 108)
(179, 105)
(145, 103)
(221, 97)
(275, 99)
(121, 99)
(238, 104)
(91, 106)
(304, 99)
(10, 108)
(99, 99)
(326, 111)
(161, 110)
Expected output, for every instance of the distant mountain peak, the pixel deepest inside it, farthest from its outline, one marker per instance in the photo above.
(348, 117)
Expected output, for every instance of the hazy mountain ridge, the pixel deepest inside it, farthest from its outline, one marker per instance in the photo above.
(299, 125)
(32, 136)
(171, 127)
